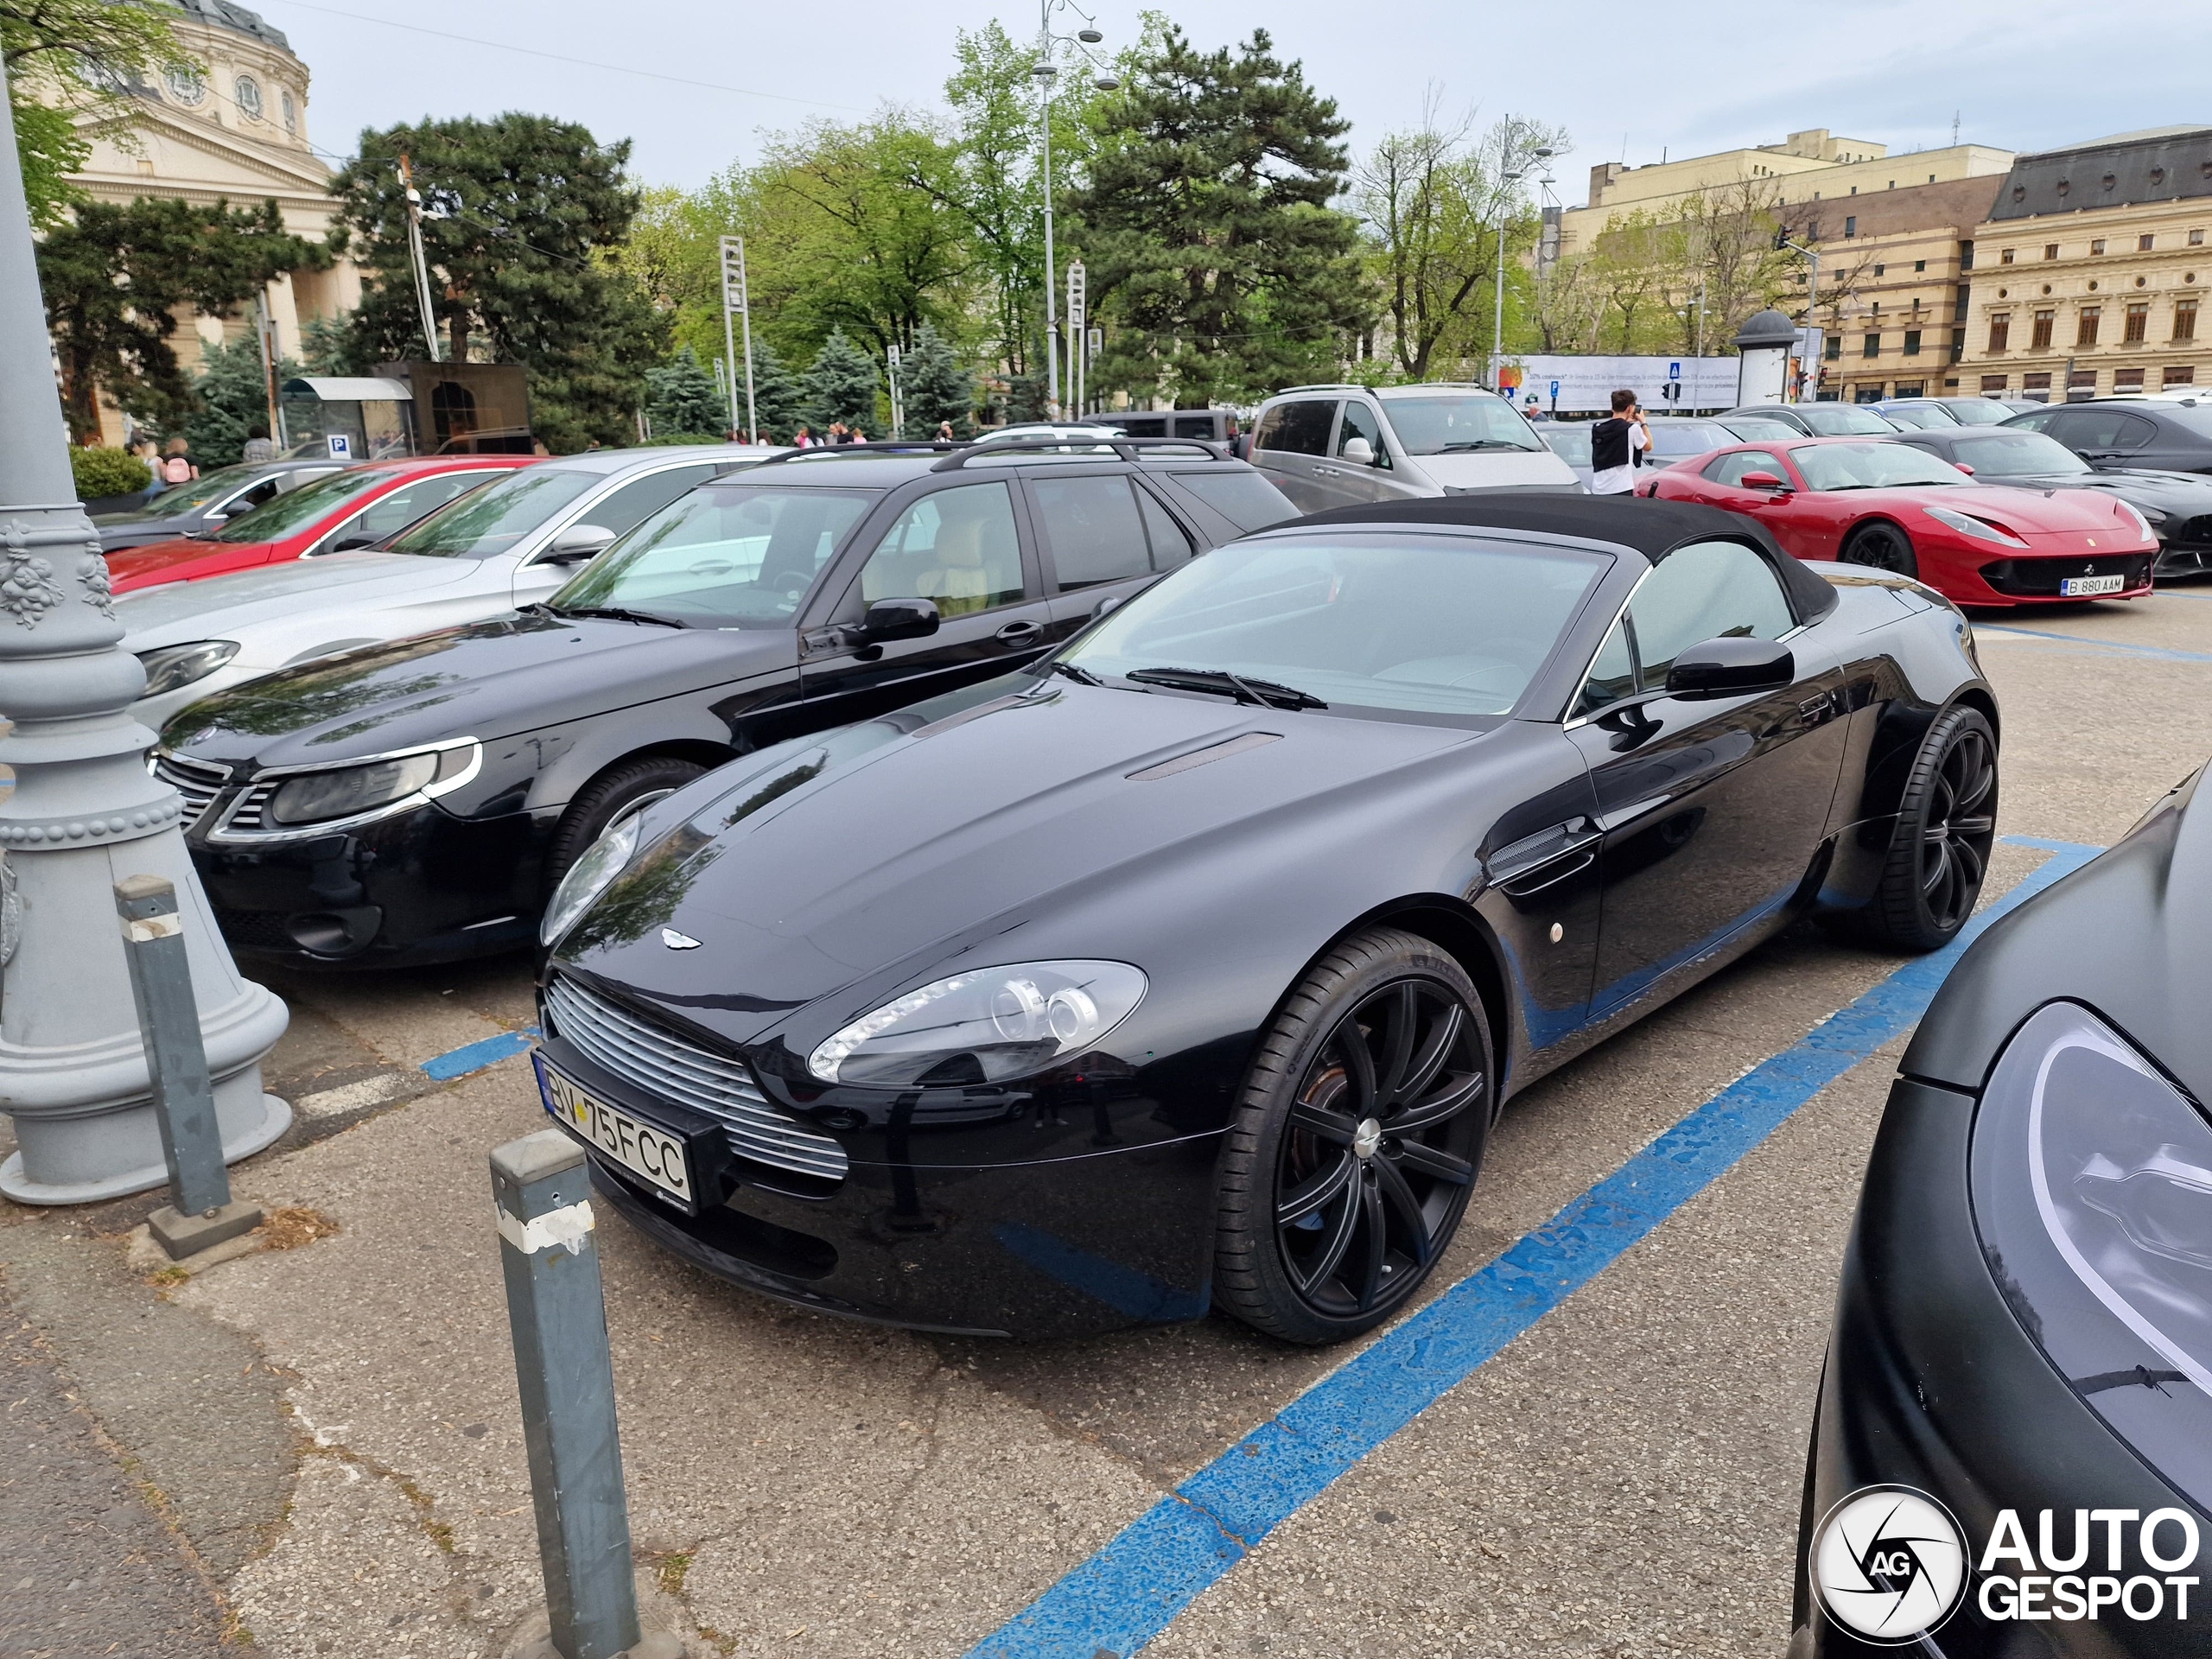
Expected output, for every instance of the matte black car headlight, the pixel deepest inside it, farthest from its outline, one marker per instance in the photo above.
(173, 666)
(983, 1026)
(2092, 1186)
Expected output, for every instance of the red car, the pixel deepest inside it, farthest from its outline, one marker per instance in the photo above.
(349, 508)
(1870, 501)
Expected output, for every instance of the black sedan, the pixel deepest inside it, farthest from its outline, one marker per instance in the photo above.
(415, 801)
(1192, 967)
(2020, 1369)
(2167, 435)
(207, 503)
(2177, 507)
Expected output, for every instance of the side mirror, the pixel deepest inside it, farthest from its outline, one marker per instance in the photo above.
(1762, 481)
(1730, 668)
(1963, 467)
(897, 619)
(216, 516)
(576, 543)
(1358, 451)
(354, 539)
(1111, 602)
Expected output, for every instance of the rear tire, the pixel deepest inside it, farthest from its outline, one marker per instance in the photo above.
(1939, 852)
(1884, 546)
(1356, 1141)
(614, 794)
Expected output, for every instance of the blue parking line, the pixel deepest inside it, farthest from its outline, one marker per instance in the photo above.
(2160, 652)
(474, 1057)
(1135, 1586)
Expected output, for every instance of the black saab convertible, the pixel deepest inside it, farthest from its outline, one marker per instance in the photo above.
(1191, 966)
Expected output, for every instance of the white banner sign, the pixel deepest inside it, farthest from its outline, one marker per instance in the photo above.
(1585, 384)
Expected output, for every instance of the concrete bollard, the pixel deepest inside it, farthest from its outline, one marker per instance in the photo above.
(542, 1196)
(200, 1213)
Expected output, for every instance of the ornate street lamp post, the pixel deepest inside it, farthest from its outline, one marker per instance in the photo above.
(1045, 72)
(85, 813)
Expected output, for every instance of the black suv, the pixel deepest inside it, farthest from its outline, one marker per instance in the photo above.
(416, 801)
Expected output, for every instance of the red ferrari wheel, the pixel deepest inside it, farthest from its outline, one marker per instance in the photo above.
(1884, 546)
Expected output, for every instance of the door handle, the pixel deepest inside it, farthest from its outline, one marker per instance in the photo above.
(1019, 633)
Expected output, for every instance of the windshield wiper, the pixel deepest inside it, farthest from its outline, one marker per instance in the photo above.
(1267, 694)
(1080, 675)
(1481, 443)
(616, 613)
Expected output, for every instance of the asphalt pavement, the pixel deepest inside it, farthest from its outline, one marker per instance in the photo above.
(319, 1450)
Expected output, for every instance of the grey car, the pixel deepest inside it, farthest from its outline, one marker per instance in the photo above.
(1820, 420)
(1350, 446)
(208, 501)
(2155, 434)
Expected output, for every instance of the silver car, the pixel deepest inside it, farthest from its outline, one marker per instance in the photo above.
(1345, 446)
(509, 543)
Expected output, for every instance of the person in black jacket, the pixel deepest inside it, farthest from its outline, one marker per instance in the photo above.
(1618, 447)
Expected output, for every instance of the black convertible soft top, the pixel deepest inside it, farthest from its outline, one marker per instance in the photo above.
(1651, 527)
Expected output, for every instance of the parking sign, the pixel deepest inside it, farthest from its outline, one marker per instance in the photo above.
(341, 447)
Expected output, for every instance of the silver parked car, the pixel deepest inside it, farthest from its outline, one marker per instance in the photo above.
(507, 544)
(1347, 446)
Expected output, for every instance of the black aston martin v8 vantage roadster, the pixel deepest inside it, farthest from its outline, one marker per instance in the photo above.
(1191, 966)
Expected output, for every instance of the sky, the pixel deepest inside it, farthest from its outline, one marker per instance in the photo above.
(1635, 82)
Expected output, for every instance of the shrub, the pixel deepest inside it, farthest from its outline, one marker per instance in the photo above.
(107, 471)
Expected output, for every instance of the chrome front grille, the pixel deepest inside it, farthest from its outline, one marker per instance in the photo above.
(250, 815)
(657, 1060)
(199, 781)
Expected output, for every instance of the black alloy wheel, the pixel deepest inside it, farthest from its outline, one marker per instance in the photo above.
(1885, 547)
(1361, 1132)
(1946, 824)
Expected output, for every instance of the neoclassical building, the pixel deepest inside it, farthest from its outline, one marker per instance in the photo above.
(239, 132)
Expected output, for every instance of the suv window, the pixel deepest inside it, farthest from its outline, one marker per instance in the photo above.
(1300, 427)
(1731, 468)
(1359, 422)
(1171, 544)
(1194, 426)
(2102, 429)
(1246, 499)
(956, 547)
(1092, 528)
(1708, 590)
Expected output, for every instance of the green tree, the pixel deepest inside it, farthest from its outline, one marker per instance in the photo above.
(114, 277)
(231, 399)
(1207, 229)
(682, 397)
(842, 385)
(521, 260)
(67, 57)
(778, 400)
(936, 387)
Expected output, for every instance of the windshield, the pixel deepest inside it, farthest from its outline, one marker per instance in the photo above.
(721, 558)
(1414, 624)
(1979, 411)
(187, 497)
(2017, 455)
(273, 520)
(1921, 418)
(492, 520)
(1689, 437)
(1749, 429)
(1458, 423)
(1843, 421)
(1870, 467)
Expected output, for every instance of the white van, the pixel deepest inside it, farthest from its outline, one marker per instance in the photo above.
(1344, 446)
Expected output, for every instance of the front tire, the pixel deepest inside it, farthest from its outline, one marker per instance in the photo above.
(1885, 547)
(613, 795)
(1947, 823)
(1357, 1142)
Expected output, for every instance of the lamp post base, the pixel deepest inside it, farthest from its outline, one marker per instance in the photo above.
(49, 1141)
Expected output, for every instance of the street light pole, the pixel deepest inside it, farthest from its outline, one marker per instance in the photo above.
(85, 814)
(1046, 73)
(414, 200)
(1812, 292)
(1507, 179)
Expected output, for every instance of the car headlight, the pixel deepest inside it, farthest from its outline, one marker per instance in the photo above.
(588, 877)
(2091, 1184)
(984, 1025)
(1981, 529)
(172, 666)
(348, 791)
(2136, 516)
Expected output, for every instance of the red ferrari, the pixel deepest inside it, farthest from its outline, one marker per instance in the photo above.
(1870, 501)
(345, 509)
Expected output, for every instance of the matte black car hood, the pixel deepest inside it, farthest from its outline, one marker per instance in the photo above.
(2130, 935)
(491, 679)
(2182, 493)
(901, 851)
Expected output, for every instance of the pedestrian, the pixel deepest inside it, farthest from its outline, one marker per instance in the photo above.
(804, 438)
(944, 432)
(1616, 447)
(149, 453)
(258, 445)
(853, 435)
(838, 433)
(1534, 412)
(177, 466)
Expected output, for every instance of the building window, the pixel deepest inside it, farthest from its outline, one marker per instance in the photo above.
(1959, 303)
(291, 114)
(2040, 339)
(1831, 349)
(1878, 269)
(2127, 380)
(2050, 249)
(1873, 345)
(2098, 245)
(186, 87)
(2005, 256)
(2085, 329)
(2000, 331)
(2083, 379)
(2186, 318)
(1867, 394)
(1851, 222)
(2183, 374)
(2196, 239)
(247, 92)
(1812, 230)
(1912, 342)
(1995, 382)
(1920, 264)
(1966, 256)
(2145, 244)
(2035, 382)
(2139, 319)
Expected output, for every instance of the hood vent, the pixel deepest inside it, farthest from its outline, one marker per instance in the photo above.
(1205, 756)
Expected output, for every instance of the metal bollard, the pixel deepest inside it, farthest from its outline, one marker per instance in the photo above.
(542, 1197)
(199, 1212)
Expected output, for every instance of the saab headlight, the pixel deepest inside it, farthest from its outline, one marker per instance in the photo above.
(1981, 529)
(173, 666)
(2092, 1183)
(984, 1025)
(588, 877)
(325, 797)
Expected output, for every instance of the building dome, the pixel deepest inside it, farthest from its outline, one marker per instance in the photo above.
(223, 14)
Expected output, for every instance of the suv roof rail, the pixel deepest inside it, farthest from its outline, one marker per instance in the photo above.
(1325, 386)
(878, 447)
(1125, 448)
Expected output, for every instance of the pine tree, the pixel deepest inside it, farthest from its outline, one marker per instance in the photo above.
(842, 385)
(233, 399)
(936, 387)
(681, 397)
(779, 403)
